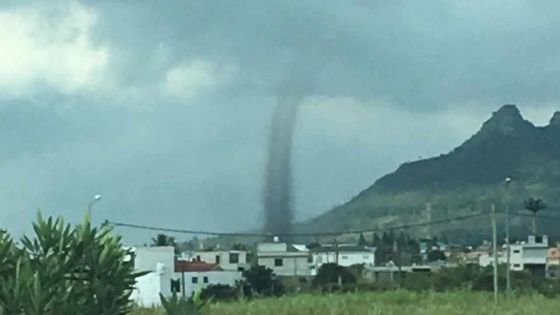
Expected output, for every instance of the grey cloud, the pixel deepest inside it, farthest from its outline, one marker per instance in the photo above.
(178, 163)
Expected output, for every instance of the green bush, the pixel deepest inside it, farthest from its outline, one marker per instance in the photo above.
(63, 270)
(261, 281)
(332, 276)
(219, 292)
(182, 306)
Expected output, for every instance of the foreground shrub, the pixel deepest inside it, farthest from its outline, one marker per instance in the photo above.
(63, 270)
(182, 306)
(219, 292)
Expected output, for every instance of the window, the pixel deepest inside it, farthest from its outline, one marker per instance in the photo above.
(175, 286)
(309, 259)
(218, 259)
(205, 279)
(194, 280)
(344, 257)
(278, 262)
(516, 265)
(516, 251)
(233, 258)
(240, 269)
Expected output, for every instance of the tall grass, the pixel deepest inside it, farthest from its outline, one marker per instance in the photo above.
(385, 303)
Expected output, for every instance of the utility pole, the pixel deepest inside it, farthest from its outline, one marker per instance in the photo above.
(336, 250)
(508, 250)
(494, 253)
(397, 249)
(183, 281)
(429, 218)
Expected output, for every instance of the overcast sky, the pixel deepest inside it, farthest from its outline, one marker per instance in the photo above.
(163, 106)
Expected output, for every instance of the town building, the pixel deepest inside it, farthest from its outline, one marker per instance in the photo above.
(283, 259)
(554, 256)
(531, 255)
(343, 255)
(166, 275)
(231, 260)
(197, 275)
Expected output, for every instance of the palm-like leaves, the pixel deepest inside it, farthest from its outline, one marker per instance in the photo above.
(163, 240)
(64, 270)
(182, 306)
(534, 205)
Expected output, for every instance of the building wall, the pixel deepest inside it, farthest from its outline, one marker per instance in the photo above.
(148, 287)
(204, 279)
(292, 265)
(147, 258)
(224, 258)
(272, 247)
(344, 258)
(485, 260)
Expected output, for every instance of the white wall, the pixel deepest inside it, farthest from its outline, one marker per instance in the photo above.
(486, 260)
(344, 258)
(213, 277)
(225, 262)
(148, 287)
(293, 264)
(272, 247)
(146, 258)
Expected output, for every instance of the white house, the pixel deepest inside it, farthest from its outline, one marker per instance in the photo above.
(166, 275)
(344, 255)
(159, 262)
(531, 255)
(283, 259)
(233, 260)
(198, 275)
(486, 259)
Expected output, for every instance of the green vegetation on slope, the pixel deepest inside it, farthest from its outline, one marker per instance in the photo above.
(467, 180)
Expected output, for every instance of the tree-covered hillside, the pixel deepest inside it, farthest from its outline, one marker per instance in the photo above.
(466, 180)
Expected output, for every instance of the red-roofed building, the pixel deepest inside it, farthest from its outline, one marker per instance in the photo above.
(167, 275)
(195, 266)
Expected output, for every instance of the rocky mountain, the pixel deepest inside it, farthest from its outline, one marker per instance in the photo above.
(466, 180)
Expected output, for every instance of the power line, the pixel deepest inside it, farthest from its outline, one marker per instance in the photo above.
(542, 216)
(332, 233)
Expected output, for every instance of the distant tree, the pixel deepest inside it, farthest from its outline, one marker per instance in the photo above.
(436, 255)
(362, 240)
(534, 205)
(332, 276)
(376, 240)
(163, 240)
(388, 238)
(219, 292)
(260, 280)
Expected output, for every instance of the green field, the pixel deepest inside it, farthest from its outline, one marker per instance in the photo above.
(386, 303)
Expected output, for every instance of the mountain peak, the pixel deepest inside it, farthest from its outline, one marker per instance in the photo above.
(506, 120)
(555, 120)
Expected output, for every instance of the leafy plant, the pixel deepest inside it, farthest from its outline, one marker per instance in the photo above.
(260, 281)
(182, 306)
(534, 205)
(63, 270)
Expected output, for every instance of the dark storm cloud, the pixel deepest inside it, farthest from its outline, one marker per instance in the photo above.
(420, 54)
(387, 70)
